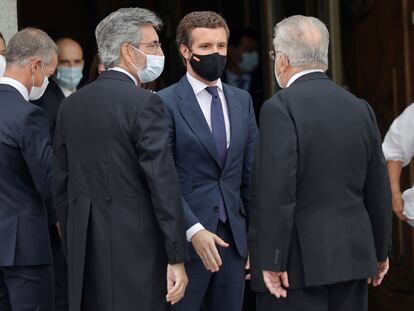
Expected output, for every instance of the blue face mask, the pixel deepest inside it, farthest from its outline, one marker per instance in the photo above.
(249, 61)
(69, 77)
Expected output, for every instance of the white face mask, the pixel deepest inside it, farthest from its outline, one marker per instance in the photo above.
(2, 65)
(277, 77)
(37, 92)
(154, 68)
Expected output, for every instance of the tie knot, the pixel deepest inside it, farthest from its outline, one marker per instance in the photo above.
(212, 90)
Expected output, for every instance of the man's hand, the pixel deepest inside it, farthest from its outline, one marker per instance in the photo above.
(398, 205)
(383, 268)
(247, 268)
(276, 283)
(58, 229)
(204, 243)
(176, 282)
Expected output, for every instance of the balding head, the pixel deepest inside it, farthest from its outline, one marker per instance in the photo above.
(70, 53)
(303, 40)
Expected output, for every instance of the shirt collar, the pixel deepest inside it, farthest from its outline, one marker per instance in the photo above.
(17, 85)
(66, 92)
(199, 86)
(125, 72)
(300, 74)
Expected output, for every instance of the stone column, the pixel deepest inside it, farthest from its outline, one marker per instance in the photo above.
(8, 18)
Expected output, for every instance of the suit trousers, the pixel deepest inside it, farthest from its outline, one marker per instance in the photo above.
(220, 291)
(346, 296)
(60, 271)
(26, 288)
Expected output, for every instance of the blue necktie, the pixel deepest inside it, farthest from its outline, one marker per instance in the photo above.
(218, 129)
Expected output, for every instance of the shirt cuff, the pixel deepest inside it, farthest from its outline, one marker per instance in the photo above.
(193, 230)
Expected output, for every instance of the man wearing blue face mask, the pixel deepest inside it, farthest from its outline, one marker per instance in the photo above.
(64, 82)
(243, 60)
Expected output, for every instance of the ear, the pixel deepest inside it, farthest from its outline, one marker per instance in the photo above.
(126, 53)
(185, 51)
(284, 63)
(35, 65)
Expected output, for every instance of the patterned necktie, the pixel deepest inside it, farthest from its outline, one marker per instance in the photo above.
(218, 129)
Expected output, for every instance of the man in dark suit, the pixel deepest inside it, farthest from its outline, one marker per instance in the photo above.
(212, 135)
(321, 221)
(26, 274)
(63, 83)
(115, 187)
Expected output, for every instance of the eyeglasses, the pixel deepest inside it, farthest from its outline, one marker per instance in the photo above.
(153, 46)
(273, 53)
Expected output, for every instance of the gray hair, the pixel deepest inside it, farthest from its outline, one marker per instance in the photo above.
(304, 40)
(122, 26)
(29, 44)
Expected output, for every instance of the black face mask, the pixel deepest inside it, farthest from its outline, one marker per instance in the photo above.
(209, 67)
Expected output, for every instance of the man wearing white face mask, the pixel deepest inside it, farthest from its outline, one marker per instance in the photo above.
(320, 228)
(26, 274)
(115, 188)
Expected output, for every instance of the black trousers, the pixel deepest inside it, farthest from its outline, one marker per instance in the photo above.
(60, 270)
(347, 296)
(26, 288)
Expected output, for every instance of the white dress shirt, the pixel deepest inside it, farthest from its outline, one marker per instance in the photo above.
(125, 72)
(66, 92)
(300, 74)
(17, 85)
(204, 100)
(399, 141)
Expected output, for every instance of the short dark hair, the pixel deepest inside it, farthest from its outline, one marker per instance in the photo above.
(205, 19)
(237, 34)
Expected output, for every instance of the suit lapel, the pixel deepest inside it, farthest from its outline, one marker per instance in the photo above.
(192, 114)
(235, 116)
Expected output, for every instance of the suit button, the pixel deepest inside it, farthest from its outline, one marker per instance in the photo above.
(73, 200)
(108, 199)
(215, 209)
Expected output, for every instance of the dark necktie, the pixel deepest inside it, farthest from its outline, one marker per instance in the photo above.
(218, 129)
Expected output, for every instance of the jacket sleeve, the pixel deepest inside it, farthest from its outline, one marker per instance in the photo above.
(60, 178)
(36, 148)
(248, 158)
(377, 195)
(157, 162)
(275, 185)
(190, 219)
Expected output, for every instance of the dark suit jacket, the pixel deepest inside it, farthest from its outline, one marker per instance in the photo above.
(117, 195)
(50, 102)
(25, 160)
(201, 175)
(322, 197)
